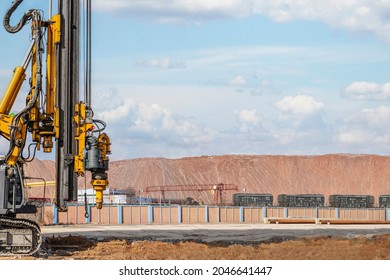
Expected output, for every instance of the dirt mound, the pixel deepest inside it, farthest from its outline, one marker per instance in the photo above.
(318, 248)
(328, 248)
(325, 174)
(67, 242)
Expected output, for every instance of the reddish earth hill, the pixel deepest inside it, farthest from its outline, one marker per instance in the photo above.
(323, 174)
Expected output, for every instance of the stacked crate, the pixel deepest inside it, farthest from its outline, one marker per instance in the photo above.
(253, 199)
(351, 201)
(384, 201)
(301, 200)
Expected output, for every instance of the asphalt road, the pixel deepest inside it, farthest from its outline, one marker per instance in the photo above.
(228, 233)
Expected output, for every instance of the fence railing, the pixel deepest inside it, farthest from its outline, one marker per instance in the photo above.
(180, 214)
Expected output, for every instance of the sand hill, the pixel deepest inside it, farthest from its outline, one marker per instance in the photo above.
(324, 174)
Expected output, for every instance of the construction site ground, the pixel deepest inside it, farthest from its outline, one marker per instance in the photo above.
(215, 242)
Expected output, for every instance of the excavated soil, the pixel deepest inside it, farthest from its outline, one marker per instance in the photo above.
(318, 248)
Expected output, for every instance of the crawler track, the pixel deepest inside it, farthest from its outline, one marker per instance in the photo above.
(19, 237)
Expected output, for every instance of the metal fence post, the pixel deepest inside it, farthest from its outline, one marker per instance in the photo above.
(206, 214)
(120, 214)
(55, 214)
(140, 215)
(77, 214)
(179, 214)
(241, 215)
(150, 214)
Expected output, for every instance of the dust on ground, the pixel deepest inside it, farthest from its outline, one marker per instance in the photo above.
(375, 247)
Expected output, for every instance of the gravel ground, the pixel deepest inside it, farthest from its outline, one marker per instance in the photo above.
(215, 242)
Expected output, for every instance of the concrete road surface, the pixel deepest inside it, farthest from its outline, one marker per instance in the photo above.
(228, 233)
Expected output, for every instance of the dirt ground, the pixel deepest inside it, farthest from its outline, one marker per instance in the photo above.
(318, 248)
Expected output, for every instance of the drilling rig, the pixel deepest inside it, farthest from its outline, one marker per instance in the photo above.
(54, 116)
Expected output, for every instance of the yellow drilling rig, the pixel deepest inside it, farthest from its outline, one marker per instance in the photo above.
(53, 116)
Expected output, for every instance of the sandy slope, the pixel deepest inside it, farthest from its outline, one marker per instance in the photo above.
(325, 174)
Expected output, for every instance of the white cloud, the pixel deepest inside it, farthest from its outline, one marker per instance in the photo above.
(376, 116)
(301, 121)
(110, 107)
(237, 81)
(164, 63)
(248, 116)
(151, 129)
(357, 16)
(141, 117)
(367, 91)
(248, 120)
(299, 105)
(355, 136)
(281, 135)
(366, 128)
(365, 139)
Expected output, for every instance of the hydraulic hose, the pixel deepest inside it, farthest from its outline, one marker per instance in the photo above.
(6, 21)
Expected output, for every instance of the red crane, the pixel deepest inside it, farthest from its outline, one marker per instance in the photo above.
(216, 188)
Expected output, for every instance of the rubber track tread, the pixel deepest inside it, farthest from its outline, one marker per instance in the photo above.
(13, 223)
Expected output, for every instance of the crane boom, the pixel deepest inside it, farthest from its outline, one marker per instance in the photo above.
(217, 189)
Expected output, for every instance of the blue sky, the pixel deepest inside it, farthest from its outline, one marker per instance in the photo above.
(180, 78)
